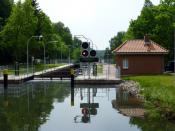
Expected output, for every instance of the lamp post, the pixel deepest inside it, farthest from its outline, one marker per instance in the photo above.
(70, 47)
(88, 39)
(28, 41)
(45, 52)
(69, 55)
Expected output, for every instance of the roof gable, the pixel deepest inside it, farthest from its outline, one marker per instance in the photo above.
(139, 47)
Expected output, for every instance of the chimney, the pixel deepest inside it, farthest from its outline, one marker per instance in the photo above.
(146, 40)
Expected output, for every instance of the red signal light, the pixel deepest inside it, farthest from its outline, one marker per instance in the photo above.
(84, 53)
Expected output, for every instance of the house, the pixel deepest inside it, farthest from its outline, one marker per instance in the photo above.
(135, 57)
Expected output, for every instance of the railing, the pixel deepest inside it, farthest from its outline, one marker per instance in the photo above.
(104, 71)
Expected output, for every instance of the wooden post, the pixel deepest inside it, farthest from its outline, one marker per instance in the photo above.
(5, 73)
(72, 77)
(72, 96)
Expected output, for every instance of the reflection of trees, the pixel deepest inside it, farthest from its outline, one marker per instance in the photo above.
(152, 125)
(29, 111)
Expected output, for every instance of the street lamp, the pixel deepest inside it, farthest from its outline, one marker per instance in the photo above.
(88, 39)
(70, 47)
(28, 41)
(45, 52)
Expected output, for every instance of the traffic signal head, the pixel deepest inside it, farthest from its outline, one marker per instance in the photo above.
(85, 53)
(85, 49)
(85, 45)
(93, 53)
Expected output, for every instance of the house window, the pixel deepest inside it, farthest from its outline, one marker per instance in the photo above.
(125, 63)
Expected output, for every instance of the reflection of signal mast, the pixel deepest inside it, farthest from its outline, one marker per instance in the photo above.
(88, 108)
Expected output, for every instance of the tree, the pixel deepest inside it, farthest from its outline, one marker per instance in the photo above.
(76, 48)
(27, 19)
(148, 3)
(116, 40)
(64, 32)
(5, 10)
(19, 28)
(168, 2)
(152, 21)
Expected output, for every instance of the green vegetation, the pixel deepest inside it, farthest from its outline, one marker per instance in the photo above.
(151, 21)
(159, 93)
(37, 68)
(100, 68)
(22, 20)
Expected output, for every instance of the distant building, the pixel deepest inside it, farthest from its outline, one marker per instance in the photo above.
(140, 57)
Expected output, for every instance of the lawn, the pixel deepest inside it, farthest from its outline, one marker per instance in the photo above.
(37, 68)
(159, 93)
(100, 68)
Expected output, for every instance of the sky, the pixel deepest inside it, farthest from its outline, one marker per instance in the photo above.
(98, 20)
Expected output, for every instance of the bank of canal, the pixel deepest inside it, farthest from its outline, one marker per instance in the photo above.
(158, 92)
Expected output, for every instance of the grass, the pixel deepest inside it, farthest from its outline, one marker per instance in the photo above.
(159, 93)
(100, 68)
(37, 68)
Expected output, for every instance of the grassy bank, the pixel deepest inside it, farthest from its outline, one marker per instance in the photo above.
(100, 68)
(159, 93)
(37, 68)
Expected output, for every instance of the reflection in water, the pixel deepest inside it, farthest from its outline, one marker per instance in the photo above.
(128, 105)
(88, 108)
(28, 106)
(51, 106)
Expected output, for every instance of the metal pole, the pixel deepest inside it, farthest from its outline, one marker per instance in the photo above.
(61, 53)
(28, 51)
(69, 55)
(28, 55)
(44, 57)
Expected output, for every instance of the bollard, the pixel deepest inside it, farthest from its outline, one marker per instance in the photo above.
(5, 73)
(72, 96)
(16, 69)
(72, 78)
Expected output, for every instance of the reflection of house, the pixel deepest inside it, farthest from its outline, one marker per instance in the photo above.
(128, 105)
(140, 57)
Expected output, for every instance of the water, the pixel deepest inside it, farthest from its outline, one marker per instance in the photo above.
(51, 106)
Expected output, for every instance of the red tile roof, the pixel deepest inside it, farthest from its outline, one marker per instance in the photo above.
(139, 47)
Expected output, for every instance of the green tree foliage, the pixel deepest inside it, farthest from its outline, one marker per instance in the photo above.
(25, 20)
(116, 40)
(64, 32)
(76, 50)
(168, 2)
(20, 26)
(157, 22)
(5, 10)
(148, 3)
